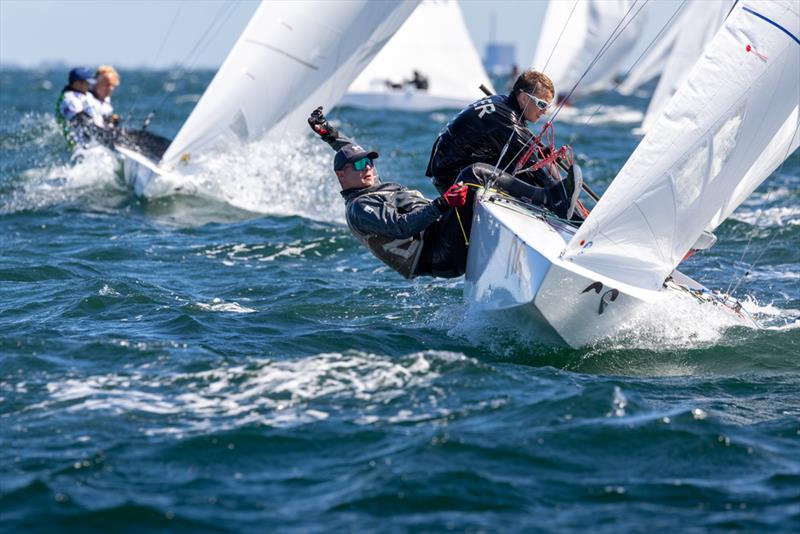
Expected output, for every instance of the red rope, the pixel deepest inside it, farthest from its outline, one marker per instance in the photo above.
(551, 158)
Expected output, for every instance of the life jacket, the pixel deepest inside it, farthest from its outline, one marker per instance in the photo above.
(62, 122)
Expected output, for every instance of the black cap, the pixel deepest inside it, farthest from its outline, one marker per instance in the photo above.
(349, 154)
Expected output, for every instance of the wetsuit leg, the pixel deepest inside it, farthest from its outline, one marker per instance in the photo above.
(482, 173)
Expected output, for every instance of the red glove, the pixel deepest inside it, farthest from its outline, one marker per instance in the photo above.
(456, 195)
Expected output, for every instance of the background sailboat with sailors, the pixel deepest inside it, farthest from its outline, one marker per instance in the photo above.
(284, 63)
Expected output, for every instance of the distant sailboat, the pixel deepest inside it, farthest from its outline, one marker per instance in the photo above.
(731, 123)
(435, 43)
(572, 34)
(681, 46)
(291, 57)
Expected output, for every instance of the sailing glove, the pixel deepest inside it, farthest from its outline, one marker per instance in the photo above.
(319, 123)
(454, 197)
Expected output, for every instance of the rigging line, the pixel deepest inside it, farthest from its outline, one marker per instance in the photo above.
(221, 17)
(600, 52)
(630, 69)
(773, 232)
(206, 44)
(603, 49)
(159, 52)
(609, 41)
(606, 46)
(566, 23)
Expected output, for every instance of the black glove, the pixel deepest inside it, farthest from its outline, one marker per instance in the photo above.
(319, 123)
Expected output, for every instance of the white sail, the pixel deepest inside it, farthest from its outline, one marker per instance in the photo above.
(730, 124)
(575, 32)
(289, 53)
(561, 39)
(700, 22)
(435, 42)
(653, 61)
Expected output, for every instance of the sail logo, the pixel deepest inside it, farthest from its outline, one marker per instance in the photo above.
(752, 50)
(585, 245)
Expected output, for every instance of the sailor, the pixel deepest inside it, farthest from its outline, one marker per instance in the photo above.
(107, 80)
(74, 111)
(418, 81)
(493, 130)
(409, 233)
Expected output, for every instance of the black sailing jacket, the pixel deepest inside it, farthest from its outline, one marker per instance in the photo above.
(477, 135)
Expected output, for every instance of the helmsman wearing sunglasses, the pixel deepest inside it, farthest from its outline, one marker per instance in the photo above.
(409, 233)
(493, 130)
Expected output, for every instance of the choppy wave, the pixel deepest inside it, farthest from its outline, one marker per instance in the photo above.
(273, 393)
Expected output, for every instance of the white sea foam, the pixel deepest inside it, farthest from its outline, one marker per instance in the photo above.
(769, 217)
(92, 171)
(268, 392)
(218, 305)
(288, 176)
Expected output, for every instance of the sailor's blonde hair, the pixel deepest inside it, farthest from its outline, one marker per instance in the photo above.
(109, 71)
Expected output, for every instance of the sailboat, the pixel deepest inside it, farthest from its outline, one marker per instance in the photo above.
(573, 31)
(434, 43)
(291, 57)
(727, 128)
(674, 54)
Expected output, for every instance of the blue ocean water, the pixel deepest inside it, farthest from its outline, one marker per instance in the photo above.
(232, 360)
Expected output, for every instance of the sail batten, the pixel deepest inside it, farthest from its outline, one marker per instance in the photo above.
(730, 124)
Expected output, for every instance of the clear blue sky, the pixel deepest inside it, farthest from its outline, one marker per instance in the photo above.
(136, 33)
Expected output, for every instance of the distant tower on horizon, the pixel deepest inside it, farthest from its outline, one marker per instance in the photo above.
(499, 57)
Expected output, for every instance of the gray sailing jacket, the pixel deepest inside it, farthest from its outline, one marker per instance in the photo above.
(391, 220)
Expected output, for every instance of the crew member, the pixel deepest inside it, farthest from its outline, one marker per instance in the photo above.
(419, 81)
(413, 235)
(107, 80)
(493, 130)
(74, 111)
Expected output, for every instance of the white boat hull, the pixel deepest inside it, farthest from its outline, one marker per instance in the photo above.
(514, 268)
(147, 179)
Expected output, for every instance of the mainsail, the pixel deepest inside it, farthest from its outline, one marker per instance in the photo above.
(731, 123)
(291, 57)
(435, 42)
(574, 32)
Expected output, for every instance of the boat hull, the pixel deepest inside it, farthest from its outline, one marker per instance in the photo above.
(515, 270)
(147, 179)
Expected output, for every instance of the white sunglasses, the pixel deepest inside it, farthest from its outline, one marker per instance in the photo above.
(541, 104)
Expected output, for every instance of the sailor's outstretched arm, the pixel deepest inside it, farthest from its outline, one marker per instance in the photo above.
(327, 132)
